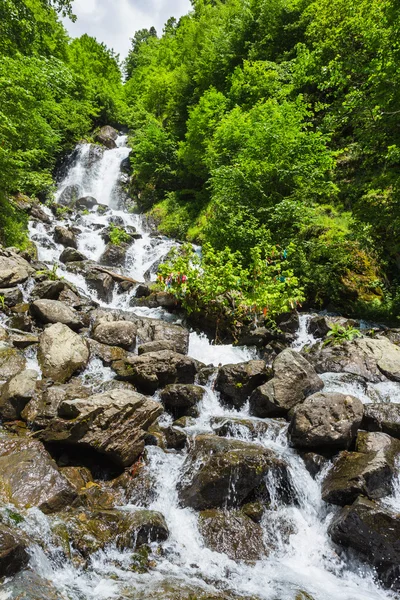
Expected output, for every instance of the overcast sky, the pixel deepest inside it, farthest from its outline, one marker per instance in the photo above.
(115, 21)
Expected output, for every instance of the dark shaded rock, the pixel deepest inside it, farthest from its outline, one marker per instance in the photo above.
(116, 333)
(11, 296)
(383, 417)
(236, 382)
(29, 477)
(86, 202)
(373, 532)
(113, 255)
(13, 552)
(313, 462)
(71, 255)
(179, 398)
(38, 213)
(69, 195)
(175, 438)
(326, 420)
(320, 326)
(142, 291)
(112, 424)
(49, 290)
(137, 485)
(65, 237)
(367, 472)
(44, 405)
(294, 379)
(102, 283)
(61, 353)
(156, 370)
(16, 394)
(232, 533)
(53, 311)
(125, 286)
(220, 472)
(288, 322)
(107, 137)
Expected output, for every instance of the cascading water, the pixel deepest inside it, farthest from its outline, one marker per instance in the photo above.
(301, 556)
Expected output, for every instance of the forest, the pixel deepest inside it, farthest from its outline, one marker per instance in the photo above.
(266, 131)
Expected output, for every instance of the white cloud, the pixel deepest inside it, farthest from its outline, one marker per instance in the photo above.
(115, 21)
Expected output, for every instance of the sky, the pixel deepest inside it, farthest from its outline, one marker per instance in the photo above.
(115, 21)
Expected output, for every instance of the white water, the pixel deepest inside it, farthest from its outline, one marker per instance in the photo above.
(303, 558)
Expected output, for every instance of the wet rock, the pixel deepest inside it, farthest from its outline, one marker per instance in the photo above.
(176, 589)
(245, 428)
(116, 333)
(102, 283)
(65, 237)
(28, 585)
(16, 394)
(13, 552)
(107, 354)
(222, 472)
(156, 299)
(112, 423)
(374, 532)
(69, 195)
(53, 311)
(92, 531)
(71, 255)
(326, 420)
(367, 472)
(13, 269)
(137, 485)
(384, 417)
(289, 322)
(179, 398)
(107, 137)
(49, 290)
(294, 379)
(314, 462)
(11, 361)
(374, 359)
(61, 353)
(44, 406)
(175, 437)
(232, 533)
(236, 382)
(320, 326)
(39, 214)
(254, 510)
(86, 202)
(114, 255)
(142, 291)
(11, 296)
(29, 477)
(78, 477)
(156, 370)
(175, 335)
(125, 286)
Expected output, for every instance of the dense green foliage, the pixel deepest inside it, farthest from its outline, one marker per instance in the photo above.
(260, 123)
(52, 93)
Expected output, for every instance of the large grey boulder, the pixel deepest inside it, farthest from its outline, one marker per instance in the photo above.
(374, 532)
(113, 424)
(368, 472)
(29, 477)
(155, 370)
(13, 269)
(116, 333)
(236, 382)
(16, 394)
(70, 195)
(53, 311)
(220, 472)
(61, 352)
(71, 255)
(114, 255)
(178, 398)
(327, 421)
(65, 237)
(232, 533)
(13, 552)
(383, 416)
(107, 137)
(294, 379)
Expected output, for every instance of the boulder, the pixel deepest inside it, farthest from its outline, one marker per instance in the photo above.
(383, 416)
(294, 379)
(114, 255)
(372, 531)
(116, 333)
(49, 290)
(69, 195)
(61, 352)
(112, 424)
(367, 472)
(102, 283)
(11, 296)
(65, 237)
(178, 398)
(13, 552)
(13, 269)
(44, 405)
(137, 485)
(220, 472)
(86, 202)
(71, 255)
(107, 137)
(29, 477)
(107, 354)
(28, 585)
(156, 370)
(39, 214)
(142, 291)
(374, 359)
(175, 335)
(328, 421)
(236, 382)
(53, 311)
(11, 361)
(319, 326)
(16, 394)
(232, 533)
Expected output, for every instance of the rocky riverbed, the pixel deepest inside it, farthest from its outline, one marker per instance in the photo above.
(139, 461)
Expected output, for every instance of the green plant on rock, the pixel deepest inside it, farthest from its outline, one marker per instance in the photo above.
(118, 236)
(2, 302)
(339, 334)
(51, 274)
